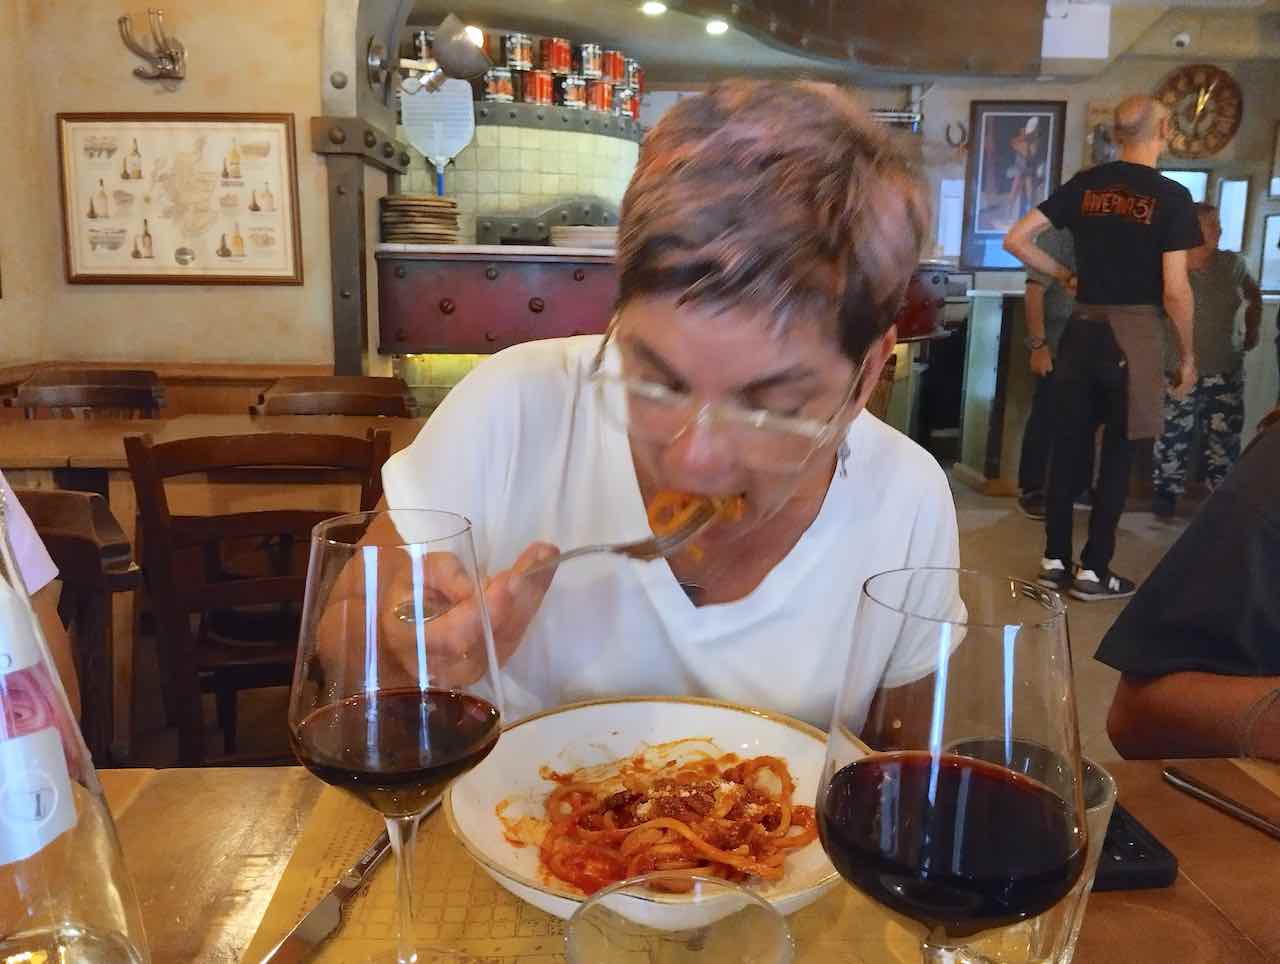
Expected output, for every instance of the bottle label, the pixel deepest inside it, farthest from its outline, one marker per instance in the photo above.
(19, 648)
(36, 805)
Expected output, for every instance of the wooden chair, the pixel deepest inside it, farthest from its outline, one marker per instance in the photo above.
(94, 561)
(90, 392)
(336, 395)
(187, 573)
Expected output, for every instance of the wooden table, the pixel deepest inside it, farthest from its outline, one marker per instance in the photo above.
(35, 453)
(207, 847)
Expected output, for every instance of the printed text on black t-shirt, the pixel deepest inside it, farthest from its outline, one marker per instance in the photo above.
(1119, 201)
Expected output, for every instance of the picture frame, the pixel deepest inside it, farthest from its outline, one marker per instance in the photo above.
(1269, 275)
(1015, 162)
(1273, 183)
(1194, 179)
(179, 198)
(1233, 211)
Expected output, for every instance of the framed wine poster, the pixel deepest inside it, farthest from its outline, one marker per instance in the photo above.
(179, 199)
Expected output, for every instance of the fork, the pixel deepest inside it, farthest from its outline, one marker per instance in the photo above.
(646, 550)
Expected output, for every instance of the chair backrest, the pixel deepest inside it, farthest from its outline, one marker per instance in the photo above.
(336, 395)
(91, 391)
(83, 537)
(174, 571)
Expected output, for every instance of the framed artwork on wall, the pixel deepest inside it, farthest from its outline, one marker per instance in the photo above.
(1233, 211)
(1269, 277)
(1273, 185)
(1194, 180)
(179, 199)
(1015, 162)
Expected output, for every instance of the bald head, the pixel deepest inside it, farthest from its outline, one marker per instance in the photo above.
(1138, 120)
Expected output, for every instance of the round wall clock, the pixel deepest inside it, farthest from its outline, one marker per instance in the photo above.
(1206, 107)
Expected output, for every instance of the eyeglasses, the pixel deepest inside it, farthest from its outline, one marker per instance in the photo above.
(763, 440)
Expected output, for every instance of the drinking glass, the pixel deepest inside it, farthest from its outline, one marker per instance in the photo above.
(1052, 936)
(391, 710)
(960, 842)
(677, 918)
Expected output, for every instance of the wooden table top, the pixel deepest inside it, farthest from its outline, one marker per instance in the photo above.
(99, 444)
(236, 829)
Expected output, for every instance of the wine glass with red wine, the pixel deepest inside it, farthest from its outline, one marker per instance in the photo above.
(942, 661)
(389, 708)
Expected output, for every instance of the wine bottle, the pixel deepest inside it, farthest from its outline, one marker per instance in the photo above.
(233, 159)
(57, 828)
(237, 242)
(268, 199)
(100, 201)
(147, 250)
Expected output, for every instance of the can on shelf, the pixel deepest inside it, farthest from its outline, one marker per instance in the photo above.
(633, 76)
(537, 87)
(422, 44)
(589, 61)
(518, 48)
(573, 92)
(498, 86)
(613, 66)
(599, 95)
(557, 55)
(622, 97)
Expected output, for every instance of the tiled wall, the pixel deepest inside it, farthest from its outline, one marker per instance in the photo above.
(524, 170)
(430, 377)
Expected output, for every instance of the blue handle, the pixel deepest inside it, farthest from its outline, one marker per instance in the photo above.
(440, 182)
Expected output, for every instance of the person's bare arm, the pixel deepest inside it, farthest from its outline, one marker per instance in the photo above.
(1021, 243)
(45, 604)
(1252, 312)
(1179, 305)
(1041, 362)
(1192, 715)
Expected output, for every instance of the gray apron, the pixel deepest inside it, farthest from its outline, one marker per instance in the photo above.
(1139, 331)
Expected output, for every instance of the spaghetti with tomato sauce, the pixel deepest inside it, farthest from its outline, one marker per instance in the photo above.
(671, 510)
(715, 816)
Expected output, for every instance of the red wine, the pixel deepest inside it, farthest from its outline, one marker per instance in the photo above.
(952, 842)
(396, 749)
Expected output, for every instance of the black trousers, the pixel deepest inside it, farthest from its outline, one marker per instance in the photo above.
(1037, 442)
(1091, 385)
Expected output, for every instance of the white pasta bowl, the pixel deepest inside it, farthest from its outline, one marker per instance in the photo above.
(592, 733)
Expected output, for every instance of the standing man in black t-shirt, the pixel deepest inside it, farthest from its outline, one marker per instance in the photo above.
(1132, 229)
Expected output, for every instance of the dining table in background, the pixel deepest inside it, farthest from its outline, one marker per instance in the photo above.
(89, 453)
(209, 848)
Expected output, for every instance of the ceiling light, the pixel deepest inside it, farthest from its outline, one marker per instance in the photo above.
(653, 8)
(475, 35)
(717, 27)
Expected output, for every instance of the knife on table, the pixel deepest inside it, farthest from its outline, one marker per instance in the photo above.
(326, 917)
(1201, 791)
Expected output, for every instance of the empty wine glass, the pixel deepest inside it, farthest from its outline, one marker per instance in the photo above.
(678, 918)
(923, 805)
(390, 711)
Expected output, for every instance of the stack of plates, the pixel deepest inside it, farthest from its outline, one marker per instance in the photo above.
(584, 237)
(419, 219)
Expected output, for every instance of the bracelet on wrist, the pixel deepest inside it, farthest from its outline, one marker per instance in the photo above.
(1252, 717)
(1035, 344)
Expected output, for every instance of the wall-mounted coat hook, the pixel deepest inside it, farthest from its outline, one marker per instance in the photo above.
(168, 60)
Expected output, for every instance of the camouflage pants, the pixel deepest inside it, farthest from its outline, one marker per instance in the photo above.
(1217, 404)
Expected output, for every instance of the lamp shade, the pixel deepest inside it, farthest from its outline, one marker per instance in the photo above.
(456, 53)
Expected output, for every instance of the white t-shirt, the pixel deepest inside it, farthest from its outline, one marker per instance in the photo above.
(29, 552)
(520, 447)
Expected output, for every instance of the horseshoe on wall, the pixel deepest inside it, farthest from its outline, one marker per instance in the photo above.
(963, 139)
